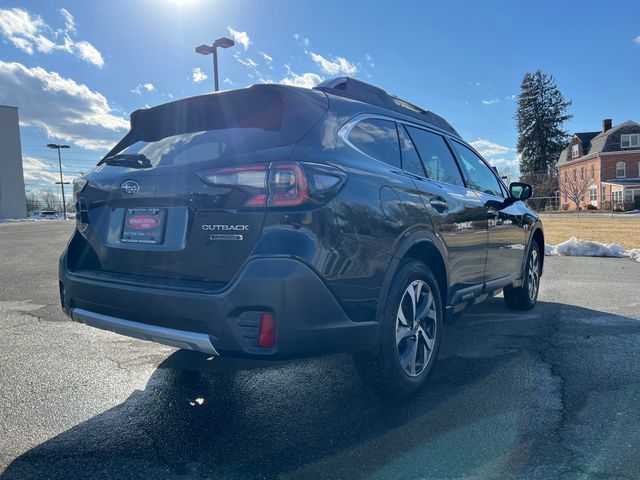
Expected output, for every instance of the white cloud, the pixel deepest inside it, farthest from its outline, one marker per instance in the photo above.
(149, 87)
(490, 101)
(337, 66)
(30, 33)
(197, 75)
(488, 148)
(63, 108)
(637, 40)
(303, 40)
(227, 81)
(267, 57)
(240, 37)
(37, 171)
(511, 97)
(87, 52)
(307, 80)
(504, 162)
(69, 22)
(369, 60)
(248, 62)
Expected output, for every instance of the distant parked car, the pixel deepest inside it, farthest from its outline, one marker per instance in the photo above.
(277, 222)
(46, 214)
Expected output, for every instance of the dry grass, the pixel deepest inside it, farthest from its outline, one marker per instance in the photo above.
(623, 230)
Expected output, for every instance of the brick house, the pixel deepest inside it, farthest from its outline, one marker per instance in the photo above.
(606, 164)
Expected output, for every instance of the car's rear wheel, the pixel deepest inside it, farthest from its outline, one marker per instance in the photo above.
(411, 327)
(525, 296)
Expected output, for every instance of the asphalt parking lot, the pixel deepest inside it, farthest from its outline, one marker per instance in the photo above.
(552, 393)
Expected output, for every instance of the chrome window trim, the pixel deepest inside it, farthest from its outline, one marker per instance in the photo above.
(343, 132)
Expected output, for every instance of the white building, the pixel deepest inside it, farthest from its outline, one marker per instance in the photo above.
(12, 196)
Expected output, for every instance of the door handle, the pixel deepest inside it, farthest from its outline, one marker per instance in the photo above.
(439, 204)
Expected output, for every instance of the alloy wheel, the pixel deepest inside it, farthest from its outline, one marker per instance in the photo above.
(416, 327)
(534, 274)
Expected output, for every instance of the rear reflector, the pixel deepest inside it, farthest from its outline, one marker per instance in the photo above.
(267, 335)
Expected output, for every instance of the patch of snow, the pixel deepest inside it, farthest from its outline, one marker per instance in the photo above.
(37, 219)
(586, 248)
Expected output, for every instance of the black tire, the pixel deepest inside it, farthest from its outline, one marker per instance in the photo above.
(525, 296)
(420, 336)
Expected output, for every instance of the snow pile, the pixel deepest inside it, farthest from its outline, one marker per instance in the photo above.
(586, 248)
(38, 219)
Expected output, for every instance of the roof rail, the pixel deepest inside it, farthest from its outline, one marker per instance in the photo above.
(365, 92)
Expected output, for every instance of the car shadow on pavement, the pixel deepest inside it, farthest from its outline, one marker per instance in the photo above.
(490, 406)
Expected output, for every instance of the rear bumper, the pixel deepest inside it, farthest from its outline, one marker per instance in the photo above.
(308, 318)
(167, 336)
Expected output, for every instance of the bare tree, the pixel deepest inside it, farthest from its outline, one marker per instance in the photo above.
(33, 203)
(508, 174)
(545, 186)
(575, 188)
(50, 200)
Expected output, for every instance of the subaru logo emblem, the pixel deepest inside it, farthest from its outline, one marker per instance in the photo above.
(129, 187)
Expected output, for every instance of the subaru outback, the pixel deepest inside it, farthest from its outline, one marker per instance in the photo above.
(275, 222)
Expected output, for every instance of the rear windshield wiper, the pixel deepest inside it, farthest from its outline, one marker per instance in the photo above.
(130, 160)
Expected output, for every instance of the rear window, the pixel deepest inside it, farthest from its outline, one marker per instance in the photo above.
(222, 125)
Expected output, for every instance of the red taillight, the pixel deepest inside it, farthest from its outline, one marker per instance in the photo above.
(289, 184)
(267, 336)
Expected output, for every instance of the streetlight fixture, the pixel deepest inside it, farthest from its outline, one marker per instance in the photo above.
(58, 147)
(222, 42)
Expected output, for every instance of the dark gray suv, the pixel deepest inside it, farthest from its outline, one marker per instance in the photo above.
(275, 222)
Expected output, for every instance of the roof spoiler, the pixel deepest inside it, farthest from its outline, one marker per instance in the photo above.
(357, 90)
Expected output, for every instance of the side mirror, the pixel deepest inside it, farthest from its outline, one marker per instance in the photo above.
(520, 191)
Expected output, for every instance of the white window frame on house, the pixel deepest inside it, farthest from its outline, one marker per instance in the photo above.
(581, 173)
(624, 169)
(632, 140)
(593, 171)
(575, 150)
(593, 195)
(603, 194)
(616, 196)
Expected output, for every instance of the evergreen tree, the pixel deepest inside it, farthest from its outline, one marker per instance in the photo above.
(542, 111)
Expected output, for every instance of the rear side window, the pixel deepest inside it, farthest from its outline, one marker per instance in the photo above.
(377, 138)
(436, 156)
(480, 175)
(410, 160)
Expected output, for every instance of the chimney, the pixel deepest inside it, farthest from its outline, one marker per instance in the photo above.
(606, 124)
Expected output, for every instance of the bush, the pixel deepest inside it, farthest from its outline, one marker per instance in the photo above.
(565, 206)
(591, 207)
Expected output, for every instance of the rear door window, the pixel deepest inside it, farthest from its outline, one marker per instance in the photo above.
(410, 160)
(377, 138)
(436, 157)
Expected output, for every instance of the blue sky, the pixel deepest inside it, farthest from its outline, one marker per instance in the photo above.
(77, 69)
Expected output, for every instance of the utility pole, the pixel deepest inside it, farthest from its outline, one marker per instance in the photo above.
(222, 42)
(62, 182)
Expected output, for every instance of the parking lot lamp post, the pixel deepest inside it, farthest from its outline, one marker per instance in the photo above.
(222, 42)
(58, 147)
